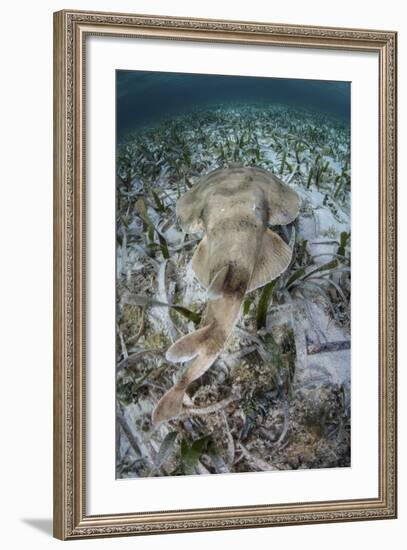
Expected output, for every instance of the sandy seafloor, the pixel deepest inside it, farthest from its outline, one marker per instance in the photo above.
(278, 397)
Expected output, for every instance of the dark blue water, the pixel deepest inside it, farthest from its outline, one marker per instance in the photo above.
(145, 97)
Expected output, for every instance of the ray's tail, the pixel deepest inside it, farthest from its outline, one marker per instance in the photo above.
(199, 349)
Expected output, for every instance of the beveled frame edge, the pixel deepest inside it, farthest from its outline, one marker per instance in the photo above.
(70, 519)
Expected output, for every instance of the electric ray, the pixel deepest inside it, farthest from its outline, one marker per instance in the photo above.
(239, 253)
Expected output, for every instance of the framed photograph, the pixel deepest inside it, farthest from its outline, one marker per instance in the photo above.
(225, 274)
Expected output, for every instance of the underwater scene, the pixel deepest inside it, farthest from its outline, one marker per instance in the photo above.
(233, 279)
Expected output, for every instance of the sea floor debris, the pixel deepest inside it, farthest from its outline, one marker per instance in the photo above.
(278, 397)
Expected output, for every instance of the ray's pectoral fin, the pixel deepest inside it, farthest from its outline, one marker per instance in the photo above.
(189, 209)
(284, 202)
(274, 258)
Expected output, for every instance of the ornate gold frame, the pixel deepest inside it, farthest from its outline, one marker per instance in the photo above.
(70, 31)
